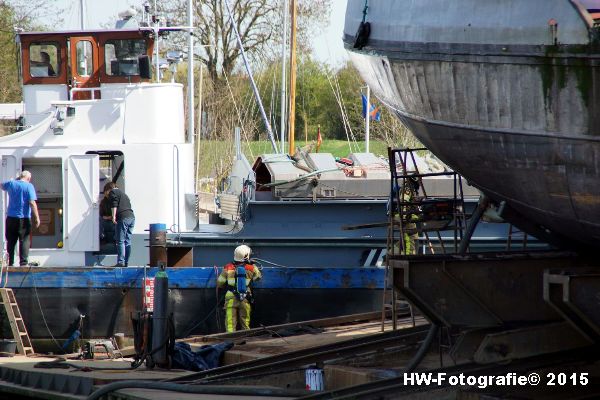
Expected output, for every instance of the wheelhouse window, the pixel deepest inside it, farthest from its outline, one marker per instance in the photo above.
(121, 56)
(85, 61)
(43, 59)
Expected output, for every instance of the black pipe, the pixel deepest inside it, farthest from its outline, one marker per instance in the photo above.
(416, 360)
(159, 318)
(203, 389)
(482, 205)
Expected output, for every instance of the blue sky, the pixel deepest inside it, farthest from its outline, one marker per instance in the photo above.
(328, 46)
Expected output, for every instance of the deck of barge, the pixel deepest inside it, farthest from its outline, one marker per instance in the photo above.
(20, 377)
(354, 355)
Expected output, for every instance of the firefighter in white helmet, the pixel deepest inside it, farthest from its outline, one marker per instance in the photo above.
(238, 278)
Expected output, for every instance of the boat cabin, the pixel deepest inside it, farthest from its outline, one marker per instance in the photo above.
(91, 114)
(72, 65)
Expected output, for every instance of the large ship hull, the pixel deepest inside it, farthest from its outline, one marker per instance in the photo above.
(516, 114)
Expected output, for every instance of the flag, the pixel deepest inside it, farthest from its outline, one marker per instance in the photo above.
(319, 138)
(374, 112)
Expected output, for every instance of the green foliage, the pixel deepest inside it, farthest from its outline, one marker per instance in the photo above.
(10, 88)
(332, 100)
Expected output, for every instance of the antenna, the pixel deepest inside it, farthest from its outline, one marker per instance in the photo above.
(82, 15)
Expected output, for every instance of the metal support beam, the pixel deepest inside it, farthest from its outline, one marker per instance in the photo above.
(574, 295)
(528, 342)
(480, 290)
(482, 205)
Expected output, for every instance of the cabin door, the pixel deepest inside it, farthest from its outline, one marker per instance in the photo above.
(82, 203)
(7, 172)
(84, 67)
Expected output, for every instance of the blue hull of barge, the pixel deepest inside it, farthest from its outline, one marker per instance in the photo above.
(108, 296)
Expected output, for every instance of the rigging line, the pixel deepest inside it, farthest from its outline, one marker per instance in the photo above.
(206, 317)
(337, 83)
(248, 101)
(237, 111)
(271, 263)
(263, 81)
(274, 103)
(248, 69)
(335, 94)
(42, 312)
(345, 112)
(249, 109)
(264, 78)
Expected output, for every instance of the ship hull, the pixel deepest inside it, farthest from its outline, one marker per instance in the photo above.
(52, 300)
(519, 122)
(545, 179)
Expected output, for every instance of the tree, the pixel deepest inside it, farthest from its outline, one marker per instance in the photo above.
(388, 129)
(34, 14)
(258, 23)
(10, 90)
(22, 14)
(332, 100)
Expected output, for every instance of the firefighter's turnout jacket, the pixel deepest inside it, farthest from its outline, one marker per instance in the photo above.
(237, 305)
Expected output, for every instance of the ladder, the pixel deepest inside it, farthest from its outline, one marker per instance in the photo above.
(17, 325)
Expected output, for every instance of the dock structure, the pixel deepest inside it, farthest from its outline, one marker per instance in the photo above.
(351, 355)
(265, 351)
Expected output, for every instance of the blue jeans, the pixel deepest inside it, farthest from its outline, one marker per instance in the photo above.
(123, 239)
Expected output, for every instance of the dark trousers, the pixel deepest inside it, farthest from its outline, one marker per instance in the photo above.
(18, 229)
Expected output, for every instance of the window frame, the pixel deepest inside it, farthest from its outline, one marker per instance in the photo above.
(61, 74)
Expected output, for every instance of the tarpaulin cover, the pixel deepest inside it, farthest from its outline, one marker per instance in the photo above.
(207, 357)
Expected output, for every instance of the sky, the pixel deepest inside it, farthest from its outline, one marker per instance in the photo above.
(328, 46)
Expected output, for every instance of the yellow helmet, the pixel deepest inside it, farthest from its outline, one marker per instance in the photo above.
(242, 253)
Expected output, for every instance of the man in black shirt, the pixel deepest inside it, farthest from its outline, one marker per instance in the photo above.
(123, 217)
(107, 228)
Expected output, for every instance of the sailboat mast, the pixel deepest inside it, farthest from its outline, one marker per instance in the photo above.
(283, 83)
(292, 111)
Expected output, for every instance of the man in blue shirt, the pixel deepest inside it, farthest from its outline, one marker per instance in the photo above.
(21, 204)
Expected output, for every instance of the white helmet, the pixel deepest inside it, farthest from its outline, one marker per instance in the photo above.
(242, 253)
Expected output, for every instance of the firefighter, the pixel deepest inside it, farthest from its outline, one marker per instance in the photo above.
(238, 277)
